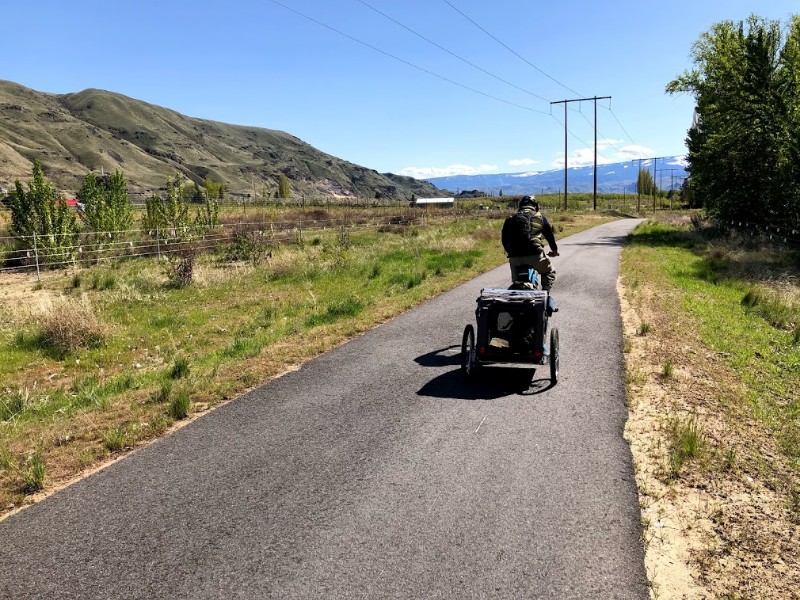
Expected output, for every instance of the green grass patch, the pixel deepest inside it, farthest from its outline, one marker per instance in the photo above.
(743, 304)
(336, 310)
(116, 438)
(11, 404)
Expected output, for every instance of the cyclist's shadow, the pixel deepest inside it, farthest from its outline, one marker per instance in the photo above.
(488, 382)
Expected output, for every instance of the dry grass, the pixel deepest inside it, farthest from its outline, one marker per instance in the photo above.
(68, 324)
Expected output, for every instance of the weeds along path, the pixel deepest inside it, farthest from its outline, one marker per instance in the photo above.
(375, 471)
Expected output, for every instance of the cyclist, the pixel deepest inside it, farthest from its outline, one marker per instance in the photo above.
(524, 235)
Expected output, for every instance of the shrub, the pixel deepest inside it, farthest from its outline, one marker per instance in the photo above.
(686, 442)
(251, 246)
(180, 368)
(181, 272)
(115, 439)
(34, 474)
(179, 406)
(67, 325)
(11, 404)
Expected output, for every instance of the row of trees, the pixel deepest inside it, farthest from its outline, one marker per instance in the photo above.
(744, 147)
(42, 221)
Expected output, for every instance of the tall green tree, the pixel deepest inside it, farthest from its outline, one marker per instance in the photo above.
(284, 187)
(213, 189)
(106, 205)
(169, 217)
(176, 208)
(645, 184)
(41, 220)
(789, 81)
(741, 147)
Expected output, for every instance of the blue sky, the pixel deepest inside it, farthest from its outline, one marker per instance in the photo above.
(418, 87)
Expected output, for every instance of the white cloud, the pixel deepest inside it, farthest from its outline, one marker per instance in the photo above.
(522, 162)
(428, 172)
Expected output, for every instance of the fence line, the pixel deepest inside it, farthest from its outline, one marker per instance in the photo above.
(27, 253)
(786, 236)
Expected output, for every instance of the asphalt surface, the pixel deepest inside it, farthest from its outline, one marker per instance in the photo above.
(375, 471)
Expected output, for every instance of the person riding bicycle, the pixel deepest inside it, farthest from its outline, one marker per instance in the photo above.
(524, 235)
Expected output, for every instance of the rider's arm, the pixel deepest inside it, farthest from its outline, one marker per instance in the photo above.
(547, 231)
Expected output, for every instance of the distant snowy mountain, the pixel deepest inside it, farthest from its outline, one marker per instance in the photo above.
(614, 177)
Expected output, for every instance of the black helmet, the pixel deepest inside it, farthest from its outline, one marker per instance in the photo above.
(529, 201)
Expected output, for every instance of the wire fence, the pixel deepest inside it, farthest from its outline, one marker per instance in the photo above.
(34, 253)
(780, 235)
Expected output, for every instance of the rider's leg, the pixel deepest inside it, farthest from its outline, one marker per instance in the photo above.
(546, 271)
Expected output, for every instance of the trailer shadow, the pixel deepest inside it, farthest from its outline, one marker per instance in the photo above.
(488, 382)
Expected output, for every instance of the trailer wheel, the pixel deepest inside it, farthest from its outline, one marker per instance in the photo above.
(554, 355)
(468, 356)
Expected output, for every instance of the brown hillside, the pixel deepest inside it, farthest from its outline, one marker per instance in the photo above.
(94, 130)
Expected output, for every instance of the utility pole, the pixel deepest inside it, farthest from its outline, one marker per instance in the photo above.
(655, 187)
(638, 190)
(565, 102)
(639, 187)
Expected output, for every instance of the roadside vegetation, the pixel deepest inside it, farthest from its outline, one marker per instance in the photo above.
(713, 371)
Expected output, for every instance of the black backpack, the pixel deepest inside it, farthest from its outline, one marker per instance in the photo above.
(516, 234)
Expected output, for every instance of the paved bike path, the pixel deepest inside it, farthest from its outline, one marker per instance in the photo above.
(375, 471)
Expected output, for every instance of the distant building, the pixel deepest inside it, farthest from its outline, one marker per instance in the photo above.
(433, 202)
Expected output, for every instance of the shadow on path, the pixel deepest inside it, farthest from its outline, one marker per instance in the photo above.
(488, 383)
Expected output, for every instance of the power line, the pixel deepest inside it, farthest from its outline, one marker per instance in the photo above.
(522, 58)
(462, 59)
(630, 137)
(573, 134)
(600, 133)
(410, 64)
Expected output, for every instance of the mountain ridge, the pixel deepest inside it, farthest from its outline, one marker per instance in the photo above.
(619, 177)
(97, 130)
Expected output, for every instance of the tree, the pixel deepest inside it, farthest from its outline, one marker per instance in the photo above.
(207, 216)
(789, 81)
(106, 205)
(168, 216)
(743, 150)
(214, 189)
(41, 220)
(176, 209)
(198, 194)
(645, 184)
(284, 187)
